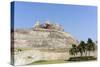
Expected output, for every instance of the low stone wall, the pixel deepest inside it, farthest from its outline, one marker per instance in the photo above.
(29, 56)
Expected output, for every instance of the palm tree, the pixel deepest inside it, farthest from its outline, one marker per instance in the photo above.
(82, 48)
(73, 50)
(90, 45)
(82, 43)
(86, 49)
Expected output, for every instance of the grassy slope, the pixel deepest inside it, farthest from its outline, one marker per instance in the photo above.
(49, 62)
(72, 59)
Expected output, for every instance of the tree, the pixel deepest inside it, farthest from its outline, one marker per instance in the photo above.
(73, 50)
(86, 49)
(90, 45)
(82, 48)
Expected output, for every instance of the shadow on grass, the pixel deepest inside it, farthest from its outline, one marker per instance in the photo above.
(83, 58)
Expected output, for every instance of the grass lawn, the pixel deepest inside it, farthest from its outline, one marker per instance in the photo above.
(49, 62)
(72, 59)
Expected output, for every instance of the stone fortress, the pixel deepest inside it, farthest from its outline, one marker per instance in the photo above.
(42, 42)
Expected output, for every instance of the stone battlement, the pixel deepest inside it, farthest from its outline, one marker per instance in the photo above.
(47, 26)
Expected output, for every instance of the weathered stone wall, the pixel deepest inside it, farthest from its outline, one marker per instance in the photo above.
(30, 56)
(43, 39)
(27, 45)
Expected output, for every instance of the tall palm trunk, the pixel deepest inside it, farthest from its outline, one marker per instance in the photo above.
(81, 54)
(89, 53)
(86, 53)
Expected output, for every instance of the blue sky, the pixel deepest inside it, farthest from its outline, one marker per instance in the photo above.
(80, 21)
